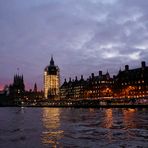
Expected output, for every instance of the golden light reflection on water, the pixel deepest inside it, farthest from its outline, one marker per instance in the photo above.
(108, 122)
(51, 125)
(129, 116)
(108, 118)
(91, 110)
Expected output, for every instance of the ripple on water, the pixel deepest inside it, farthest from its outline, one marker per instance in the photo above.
(66, 127)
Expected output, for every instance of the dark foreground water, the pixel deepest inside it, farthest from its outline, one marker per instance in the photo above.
(69, 127)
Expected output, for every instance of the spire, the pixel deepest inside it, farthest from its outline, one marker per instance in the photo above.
(18, 71)
(35, 87)
(52, 61)
(22, 79)
(14, 79)
(65, 82)
(107, 75)
(120, 70)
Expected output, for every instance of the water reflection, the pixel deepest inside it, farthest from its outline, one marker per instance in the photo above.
(118, 122)
(69, 127)
(108, 123)
(108, 120)
(124, 117)
(91, 110)
(51, 125)
(129, 118)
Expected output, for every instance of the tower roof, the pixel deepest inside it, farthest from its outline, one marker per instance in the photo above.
(51, 61)
(52, 69)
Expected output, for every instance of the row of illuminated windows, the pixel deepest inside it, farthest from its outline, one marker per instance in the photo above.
(102, 82)
(96, 91)
(139, 92)
(134, 82)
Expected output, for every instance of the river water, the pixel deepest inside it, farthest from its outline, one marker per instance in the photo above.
(70, 127)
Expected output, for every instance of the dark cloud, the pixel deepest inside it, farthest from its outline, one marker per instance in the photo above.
(83, 35)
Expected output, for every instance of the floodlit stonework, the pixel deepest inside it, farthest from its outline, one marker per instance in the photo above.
(51, 81)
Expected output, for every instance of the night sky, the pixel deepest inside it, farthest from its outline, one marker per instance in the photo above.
(84, 36)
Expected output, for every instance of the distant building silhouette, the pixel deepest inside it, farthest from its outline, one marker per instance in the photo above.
(33, 95)
(18, 84)
(17, 88)
(51, 81)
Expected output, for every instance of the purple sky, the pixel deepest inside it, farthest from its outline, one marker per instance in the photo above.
(84, 36)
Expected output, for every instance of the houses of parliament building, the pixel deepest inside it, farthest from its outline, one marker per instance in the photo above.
(128, 83)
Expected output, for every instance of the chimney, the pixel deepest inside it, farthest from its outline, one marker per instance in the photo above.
(126, 67)
(81, 77)
(143, 64)
(92, 75)
(76, 78)
(69, 79)
(100, 73)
